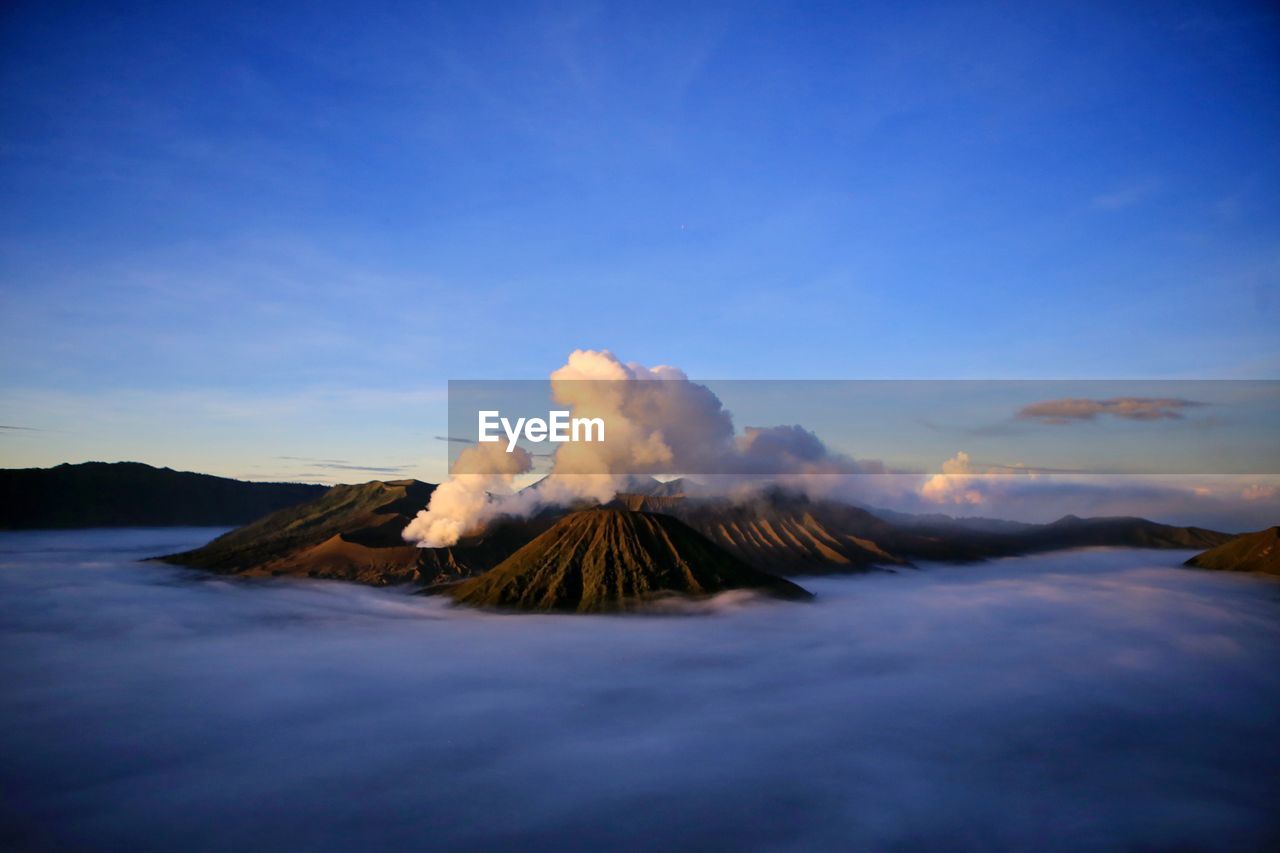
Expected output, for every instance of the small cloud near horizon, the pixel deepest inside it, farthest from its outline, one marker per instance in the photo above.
(1259, 492)
(1076, 409)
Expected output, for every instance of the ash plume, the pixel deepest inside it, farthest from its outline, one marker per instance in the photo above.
(659, 422)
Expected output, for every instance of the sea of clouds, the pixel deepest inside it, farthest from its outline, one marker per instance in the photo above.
(1094, 699)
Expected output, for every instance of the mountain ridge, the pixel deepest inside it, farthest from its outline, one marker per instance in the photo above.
(790, 533)
(1250, 552)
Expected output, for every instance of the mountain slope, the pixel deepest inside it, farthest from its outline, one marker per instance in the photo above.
(609, 559)
(131, 494)
(1252, 552)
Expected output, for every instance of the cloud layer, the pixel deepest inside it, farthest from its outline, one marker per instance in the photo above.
(1108, 699)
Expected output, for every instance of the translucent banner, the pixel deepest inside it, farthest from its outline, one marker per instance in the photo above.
(773, 428)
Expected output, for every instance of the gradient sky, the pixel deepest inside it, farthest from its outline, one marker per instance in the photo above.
(233, 235)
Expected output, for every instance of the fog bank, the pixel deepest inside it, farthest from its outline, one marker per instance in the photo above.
(1095, 699)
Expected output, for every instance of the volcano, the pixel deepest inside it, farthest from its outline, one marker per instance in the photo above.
(353, 533)
(610, 559)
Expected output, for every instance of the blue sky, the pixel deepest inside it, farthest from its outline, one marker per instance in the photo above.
(233, 234)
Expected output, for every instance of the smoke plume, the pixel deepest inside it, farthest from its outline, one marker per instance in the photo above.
(467, 501)
(658, 422)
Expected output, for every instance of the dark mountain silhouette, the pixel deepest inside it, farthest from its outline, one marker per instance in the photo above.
(131, 494)
(610, 559)
(936, 520)
(1252, 552)
(1072, 532)
(677, 487)
(353, 533)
